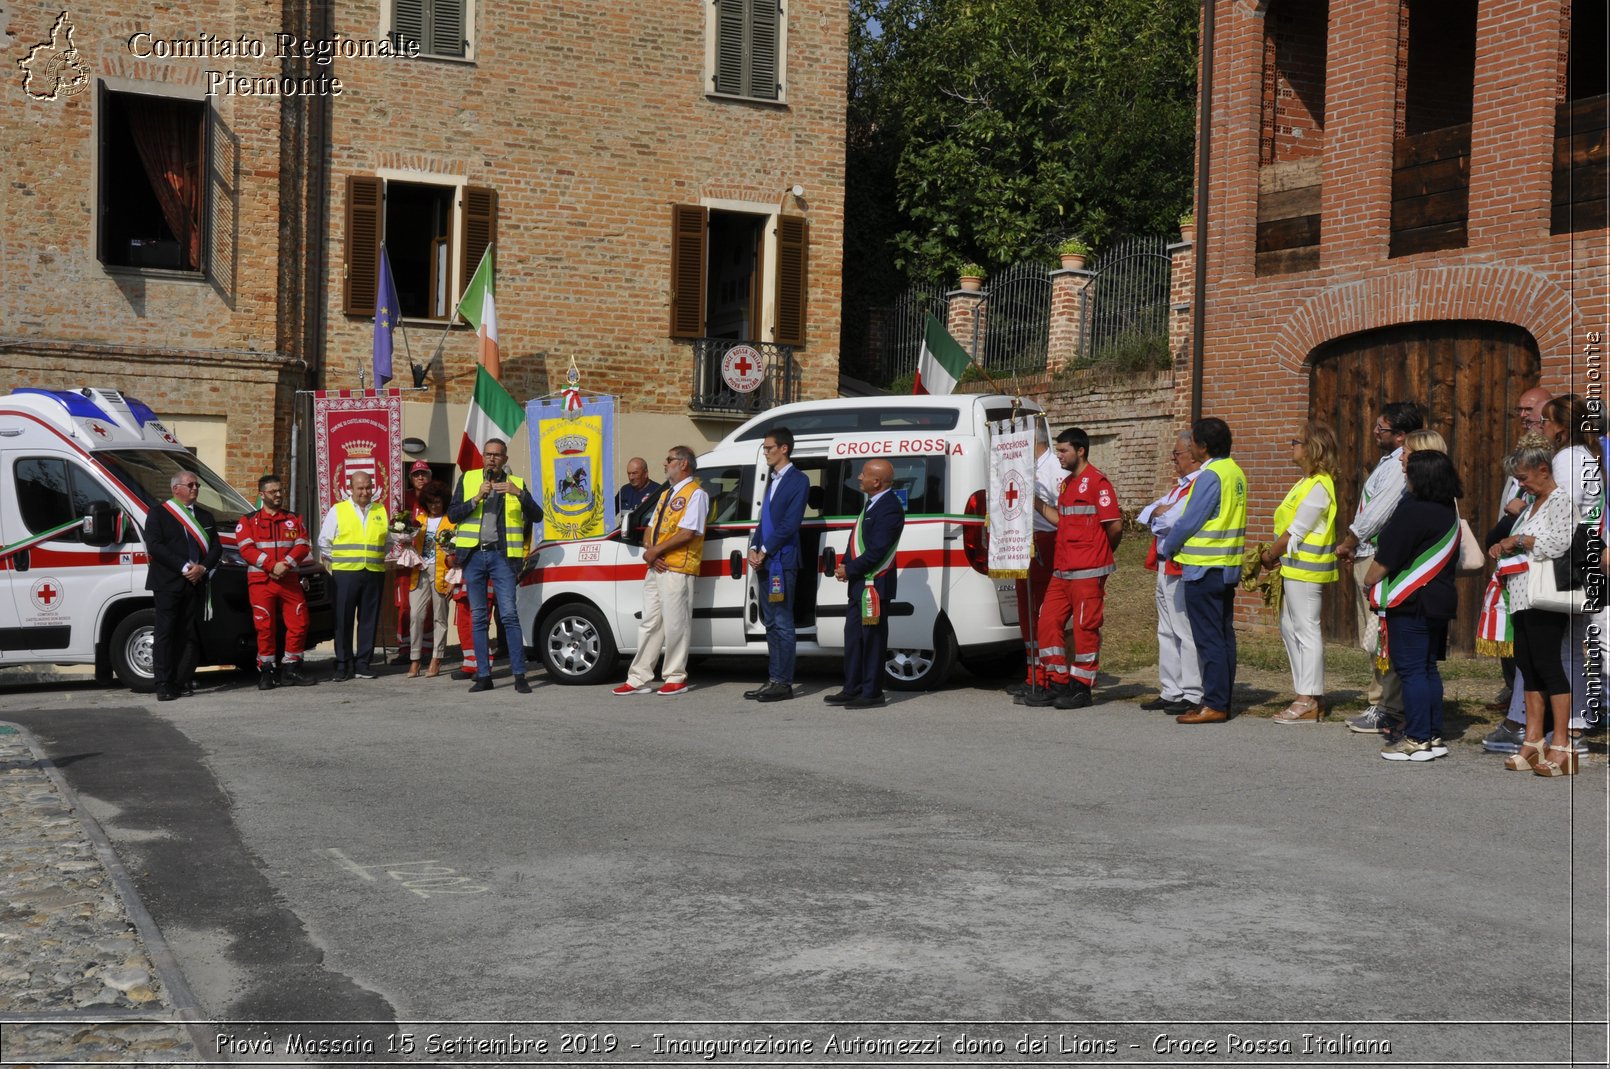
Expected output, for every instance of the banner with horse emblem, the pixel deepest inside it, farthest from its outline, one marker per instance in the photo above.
(573, 456)
(358, 431)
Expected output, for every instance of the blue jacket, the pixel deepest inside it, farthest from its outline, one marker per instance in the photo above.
(780, 516)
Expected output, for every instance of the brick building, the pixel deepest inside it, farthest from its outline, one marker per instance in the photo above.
(1405, 199)
(636, 171)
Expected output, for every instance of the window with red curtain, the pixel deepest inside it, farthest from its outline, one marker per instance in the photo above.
(153, 182)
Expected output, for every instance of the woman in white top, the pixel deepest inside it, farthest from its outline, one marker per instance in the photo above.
(1541, 533)
(1578, 471)
(1305, 551)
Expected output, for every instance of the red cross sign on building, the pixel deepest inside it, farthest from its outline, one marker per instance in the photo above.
(743, 369)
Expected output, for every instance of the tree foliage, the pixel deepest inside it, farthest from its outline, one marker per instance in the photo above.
(990, 130)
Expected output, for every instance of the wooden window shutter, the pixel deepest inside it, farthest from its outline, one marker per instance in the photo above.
(688, 227)
(793, 256)
(730, 46)
(446, 27)
(365, 197)
(408, 20)
(480, 207)
(763, 18)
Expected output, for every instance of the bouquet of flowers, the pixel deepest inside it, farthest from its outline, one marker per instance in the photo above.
(400, 541)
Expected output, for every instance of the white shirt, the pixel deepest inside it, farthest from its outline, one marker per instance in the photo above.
(1578, 474)
(1382, 490)
(1161, 515)
(698, 507)
(327, 528)
(776, 477)
(1048, 476)
(1309, 512)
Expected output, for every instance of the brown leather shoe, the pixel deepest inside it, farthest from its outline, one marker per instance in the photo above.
(1202, 715)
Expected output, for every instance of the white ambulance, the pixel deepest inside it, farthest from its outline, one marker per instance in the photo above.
(580, 606)
(78, 471)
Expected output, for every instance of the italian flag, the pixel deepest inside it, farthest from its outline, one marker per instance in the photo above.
(941, 362)
(493, 414)
(478, 307)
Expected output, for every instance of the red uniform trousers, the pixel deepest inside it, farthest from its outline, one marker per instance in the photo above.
(466, 629)
(1072, 612)
(272, 600)
(1031, 594)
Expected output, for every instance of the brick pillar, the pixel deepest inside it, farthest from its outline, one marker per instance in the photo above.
(1181, 292)
(963, 308)
(1067, 317)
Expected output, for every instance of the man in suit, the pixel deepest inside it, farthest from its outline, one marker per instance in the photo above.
(774, 557)
(868, 564)
(182, 541)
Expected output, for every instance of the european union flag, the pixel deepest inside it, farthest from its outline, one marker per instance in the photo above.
(387, 315)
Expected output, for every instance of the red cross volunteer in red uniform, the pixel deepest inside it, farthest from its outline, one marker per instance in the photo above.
(1089, 526)
(272, 542)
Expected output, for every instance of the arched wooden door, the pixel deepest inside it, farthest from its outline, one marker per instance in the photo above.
(1468, 376)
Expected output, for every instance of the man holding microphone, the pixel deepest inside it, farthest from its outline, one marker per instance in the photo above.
(490, 510)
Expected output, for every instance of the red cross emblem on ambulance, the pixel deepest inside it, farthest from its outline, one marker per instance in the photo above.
(47, 594)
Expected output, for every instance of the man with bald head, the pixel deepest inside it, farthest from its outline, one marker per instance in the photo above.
(352, 543)
(868, 566)
(637, 488)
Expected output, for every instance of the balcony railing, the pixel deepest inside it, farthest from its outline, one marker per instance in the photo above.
(773, 366)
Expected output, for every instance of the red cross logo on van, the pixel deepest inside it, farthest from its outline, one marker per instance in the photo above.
(98, 429)
(46, 594)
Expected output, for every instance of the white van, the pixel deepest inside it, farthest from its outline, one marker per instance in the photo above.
(581, 604)
(78, 471)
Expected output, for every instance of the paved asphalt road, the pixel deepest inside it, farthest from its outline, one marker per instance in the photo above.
(402, 850)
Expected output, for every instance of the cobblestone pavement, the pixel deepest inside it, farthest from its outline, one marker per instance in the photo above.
(78, 979)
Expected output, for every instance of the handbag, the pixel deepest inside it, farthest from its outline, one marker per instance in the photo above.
(1580, 568)
(1544, 592)
(1472, 561)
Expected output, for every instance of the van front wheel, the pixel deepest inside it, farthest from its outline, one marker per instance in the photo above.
(133, 651)
(576, 646)
(908, 669)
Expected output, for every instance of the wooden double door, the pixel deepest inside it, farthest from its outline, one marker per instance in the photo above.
(1467, 375)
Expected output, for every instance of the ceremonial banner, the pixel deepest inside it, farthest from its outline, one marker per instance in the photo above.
(572, 458)
(1011, 499)
(353, 431)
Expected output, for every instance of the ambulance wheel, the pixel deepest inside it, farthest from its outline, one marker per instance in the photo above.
(908, 669)
(576, 646)
(133, 648)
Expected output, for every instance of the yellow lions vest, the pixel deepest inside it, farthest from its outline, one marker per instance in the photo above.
(467, 535)
(1221, 541)
(667, 520)
(1313, 560)
(360, 540)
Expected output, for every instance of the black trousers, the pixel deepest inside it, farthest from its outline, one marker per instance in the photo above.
(176, 642)
(357, 594)
(865, 648)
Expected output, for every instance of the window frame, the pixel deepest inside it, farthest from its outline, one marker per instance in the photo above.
(460, 268)
(782, 271)
(104, 89)
(388, 27)
(76, 477)
(712, 53)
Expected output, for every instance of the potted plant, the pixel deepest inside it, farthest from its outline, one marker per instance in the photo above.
(972, 277)
(1188, 226)
(1075, 252)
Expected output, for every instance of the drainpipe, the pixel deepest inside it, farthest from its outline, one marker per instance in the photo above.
(1204, 156)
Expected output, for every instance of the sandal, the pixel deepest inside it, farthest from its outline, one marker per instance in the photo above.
(1301, 711)
(1520, 762)
(1551, 769)
(435, 667)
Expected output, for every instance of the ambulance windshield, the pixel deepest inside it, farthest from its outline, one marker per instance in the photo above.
(148, 472)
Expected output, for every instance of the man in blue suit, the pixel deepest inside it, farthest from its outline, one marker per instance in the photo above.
(868, 566)
(774, 559)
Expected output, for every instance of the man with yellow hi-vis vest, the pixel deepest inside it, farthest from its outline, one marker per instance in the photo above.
(352, 542)
(490, 510)
(1207, 543)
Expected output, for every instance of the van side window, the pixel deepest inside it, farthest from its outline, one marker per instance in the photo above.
(51, 492)
(731, 490)
(921, 481)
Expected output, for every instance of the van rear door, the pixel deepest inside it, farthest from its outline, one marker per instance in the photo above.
(59, 586)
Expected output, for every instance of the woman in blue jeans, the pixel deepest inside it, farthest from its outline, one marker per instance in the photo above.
(1413, 580)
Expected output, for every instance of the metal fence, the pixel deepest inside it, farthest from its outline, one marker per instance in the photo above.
(1126, 307)
(1015, 320)
(778, 376)
(894, 334)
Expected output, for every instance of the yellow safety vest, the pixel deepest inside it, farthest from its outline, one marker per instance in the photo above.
(1312, 560)
(1222, 540)
(360, 541)
(668, 520)
(467, 535)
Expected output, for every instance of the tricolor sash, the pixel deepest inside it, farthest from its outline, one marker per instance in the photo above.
(858, 543)
(1392, 592)
(189, 523)
(1495, 629)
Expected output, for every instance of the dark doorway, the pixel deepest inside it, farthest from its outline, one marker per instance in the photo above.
(733, 284)
(1467, 376)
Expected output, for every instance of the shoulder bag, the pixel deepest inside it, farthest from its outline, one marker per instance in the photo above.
(1472, 561)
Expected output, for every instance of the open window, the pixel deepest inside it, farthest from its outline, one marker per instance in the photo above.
(1436, 74)
(1291, 140)
(744, 48)
(152, 181)
(718, 284)
(441, 27)
(434, 235)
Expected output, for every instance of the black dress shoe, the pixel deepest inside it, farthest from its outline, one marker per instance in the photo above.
(164, 695)
(342, 674)
(776, 692)
(481, 683)
(1017, 690)
(842, 697)
(188, 690)
(1157, 703)
(520, 685)
(877, 702)
(754, 695)
(1178, 707)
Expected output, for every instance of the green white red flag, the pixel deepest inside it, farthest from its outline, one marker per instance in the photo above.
(493, 414)
(941, 362)
(479, 308)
